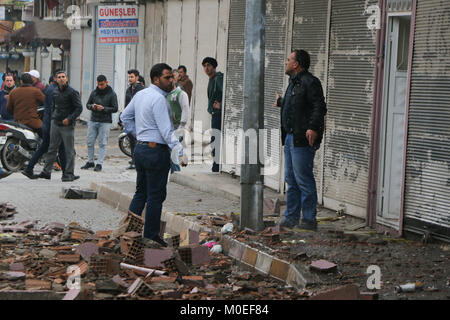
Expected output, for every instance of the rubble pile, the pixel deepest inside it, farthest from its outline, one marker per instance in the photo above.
(71, 262)
(7, 210)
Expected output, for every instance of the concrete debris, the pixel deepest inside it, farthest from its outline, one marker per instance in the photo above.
(78, 193)
(228, 228)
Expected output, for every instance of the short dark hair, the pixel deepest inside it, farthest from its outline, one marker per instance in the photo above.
(211, 61)
(26, 78)
(157, 70)
(101, 78)
(133, 71)
(141, 80)
(303, 58)
(60, 71)
(182, 67)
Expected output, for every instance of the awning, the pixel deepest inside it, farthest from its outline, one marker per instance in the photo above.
(47, 32)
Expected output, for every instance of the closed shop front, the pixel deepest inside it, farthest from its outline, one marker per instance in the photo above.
(427, 180)
(349, 102)
(276, 32)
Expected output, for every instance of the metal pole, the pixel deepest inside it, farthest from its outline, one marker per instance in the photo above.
(252, 182)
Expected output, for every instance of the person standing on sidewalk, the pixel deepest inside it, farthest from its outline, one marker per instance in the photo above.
(46, 123)
(102, 103)
(36, 82)
(215, 87)
(66, 109)
(185, 82)
(148, 117)
(9, 85)
(303, 110)
(135, 86)
(179, 105)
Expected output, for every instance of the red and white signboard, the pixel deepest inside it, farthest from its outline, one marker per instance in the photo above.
(118, 25)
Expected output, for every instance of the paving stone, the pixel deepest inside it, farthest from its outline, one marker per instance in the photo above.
(17, 266)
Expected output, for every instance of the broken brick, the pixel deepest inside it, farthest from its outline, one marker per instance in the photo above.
(16, 267)
(70, 258)
(104, 234)
(323, 265)
(154, 257)
(348, 292)
(34, 284)
(87, 249)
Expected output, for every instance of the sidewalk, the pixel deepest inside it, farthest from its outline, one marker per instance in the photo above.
(288, 254)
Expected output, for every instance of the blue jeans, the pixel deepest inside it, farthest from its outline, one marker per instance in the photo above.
(302, 193)
(43, 149)
(100, 131)
(216, 123)
(152, 166)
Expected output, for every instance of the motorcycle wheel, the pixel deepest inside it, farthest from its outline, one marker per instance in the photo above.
(11, 159)
(124, 145)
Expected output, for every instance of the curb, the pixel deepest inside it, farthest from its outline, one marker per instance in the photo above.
(198, 185)
(295, 275)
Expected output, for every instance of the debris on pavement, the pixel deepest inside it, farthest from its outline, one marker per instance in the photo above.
(78, 193)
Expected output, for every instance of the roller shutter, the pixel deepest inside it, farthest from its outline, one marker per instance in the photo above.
(427, 181)
(349, 101)
(276, 29)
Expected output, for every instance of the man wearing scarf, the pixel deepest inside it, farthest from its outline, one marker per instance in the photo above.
(102, 103)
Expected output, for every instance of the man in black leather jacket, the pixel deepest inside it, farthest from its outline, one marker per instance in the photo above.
(135, 86)
(66, 109)
(303, 110)
(103, 103)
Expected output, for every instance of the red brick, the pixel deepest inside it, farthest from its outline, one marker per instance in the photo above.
(70, 258)
(348, 292)
(34, 284)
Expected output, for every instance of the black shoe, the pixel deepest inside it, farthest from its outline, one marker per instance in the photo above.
(286, 224)
(160, 241)
(43, 175)
(88, 165)
(98, 167)
(308, 225)
(29, 174)
(68, 178)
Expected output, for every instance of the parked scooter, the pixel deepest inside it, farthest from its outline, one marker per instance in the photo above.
(17, 145)
(124, 141)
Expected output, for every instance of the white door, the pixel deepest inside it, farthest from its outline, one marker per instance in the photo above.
(393, 125)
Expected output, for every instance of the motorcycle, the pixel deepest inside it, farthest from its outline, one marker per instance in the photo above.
(124, 141)
(17, 145)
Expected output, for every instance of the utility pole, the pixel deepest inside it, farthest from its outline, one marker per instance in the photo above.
(252, 182)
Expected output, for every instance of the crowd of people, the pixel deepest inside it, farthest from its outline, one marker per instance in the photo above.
(151, 117)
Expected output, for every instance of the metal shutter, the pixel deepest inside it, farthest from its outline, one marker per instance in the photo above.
(310, 34)
(276, 29)
(234, 100)
(350, 99)
(104, 63)
(427, 181)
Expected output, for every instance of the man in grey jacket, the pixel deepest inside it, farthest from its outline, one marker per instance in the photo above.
(66, 109)
(102, 103)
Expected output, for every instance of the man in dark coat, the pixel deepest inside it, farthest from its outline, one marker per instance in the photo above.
(46, 123)
(66, 109)
(102, 103)
(303, 110)
(135, 86)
